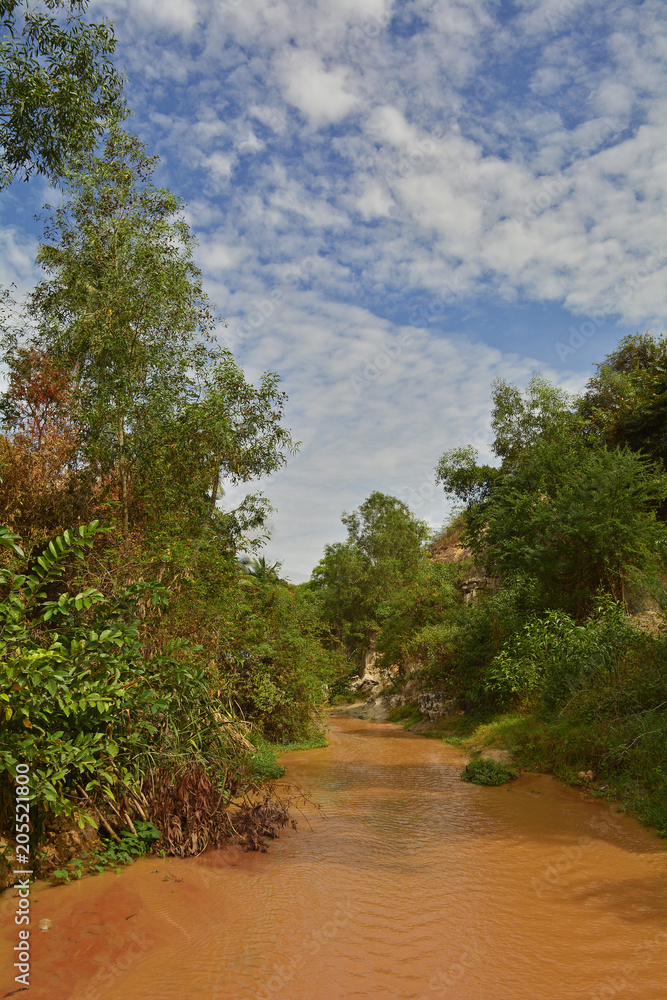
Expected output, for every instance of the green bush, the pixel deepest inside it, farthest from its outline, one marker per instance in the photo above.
(557, 662)
(87, 704)
(487, 772)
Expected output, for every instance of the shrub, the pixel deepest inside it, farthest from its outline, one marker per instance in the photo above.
(487, 772)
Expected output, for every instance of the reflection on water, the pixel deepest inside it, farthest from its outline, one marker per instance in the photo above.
(410, 885)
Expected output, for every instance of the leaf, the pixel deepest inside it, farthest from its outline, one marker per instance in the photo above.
(9, 540)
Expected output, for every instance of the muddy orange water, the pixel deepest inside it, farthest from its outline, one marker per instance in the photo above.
(414, 885)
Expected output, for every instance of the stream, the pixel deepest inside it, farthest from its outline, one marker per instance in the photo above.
(408, 884)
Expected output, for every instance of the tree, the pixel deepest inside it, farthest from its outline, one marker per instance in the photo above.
(563, 509)
(543, 412)
(462, 477)
(578, 519)
(626, 401)
(163, 410)
(58, 86)
(357, 579)
(44, 489)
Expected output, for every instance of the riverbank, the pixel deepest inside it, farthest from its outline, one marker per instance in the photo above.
(627, 757)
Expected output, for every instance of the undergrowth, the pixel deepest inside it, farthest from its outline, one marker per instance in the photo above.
(115, 854)
(264, 763)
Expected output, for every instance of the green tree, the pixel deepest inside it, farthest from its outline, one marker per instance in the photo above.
(165, 413)
(543, 412)
(626, 400)
(357, 579)
(563, 509)
(58, 86)
(577, 519)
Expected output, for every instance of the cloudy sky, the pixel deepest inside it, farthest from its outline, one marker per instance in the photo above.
(397, 202)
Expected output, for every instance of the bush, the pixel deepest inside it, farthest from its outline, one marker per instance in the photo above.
(487, 772)
(98, 711)
(558, 663)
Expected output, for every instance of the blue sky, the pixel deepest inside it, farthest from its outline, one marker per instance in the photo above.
(397, 202)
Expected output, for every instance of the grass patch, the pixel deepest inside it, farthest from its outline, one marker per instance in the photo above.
(116, 854)
(264, 760)
(487, 772)
(346, 698)
(407, 715)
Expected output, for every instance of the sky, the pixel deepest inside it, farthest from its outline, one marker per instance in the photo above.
(397, 203)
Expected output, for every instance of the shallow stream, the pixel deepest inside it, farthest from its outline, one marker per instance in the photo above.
(411, 884)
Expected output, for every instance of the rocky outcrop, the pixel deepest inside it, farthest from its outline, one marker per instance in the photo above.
(434, 705)
(374, 710)
(372, 680)
(473, 581)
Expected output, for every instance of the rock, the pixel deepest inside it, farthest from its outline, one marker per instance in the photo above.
(434, 705)
(373, 710)
(371, 678)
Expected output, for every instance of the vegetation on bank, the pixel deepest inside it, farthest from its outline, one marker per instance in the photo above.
(151, 669)
(563, 654)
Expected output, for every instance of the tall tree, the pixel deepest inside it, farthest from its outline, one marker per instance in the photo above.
(563, 508)
(357, 579)
(123, 307)
(626, 400)
(58, 85)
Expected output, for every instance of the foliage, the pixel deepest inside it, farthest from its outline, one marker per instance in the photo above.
(576, 520)
(407, 715)
(58, 86)
(265, 644)
(626, 401)
(487, 772)
(628, 756)
(130, 845)
(544, 413)
(461, 476)
(357, 580)
(110, 722)
(422, 603)
(557, 662)
(563, 509)
(44, 487)
(123, 372)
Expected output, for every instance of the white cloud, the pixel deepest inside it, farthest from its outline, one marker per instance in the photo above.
(347, 174)
(322, 95)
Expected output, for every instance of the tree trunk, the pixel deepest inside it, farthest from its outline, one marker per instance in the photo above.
(122, 472)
